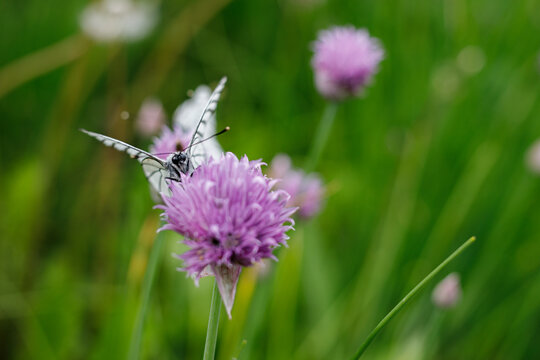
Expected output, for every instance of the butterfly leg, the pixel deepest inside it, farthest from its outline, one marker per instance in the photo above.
(173, 179)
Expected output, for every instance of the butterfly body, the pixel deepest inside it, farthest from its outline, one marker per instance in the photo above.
(178, 163)
(159, 171)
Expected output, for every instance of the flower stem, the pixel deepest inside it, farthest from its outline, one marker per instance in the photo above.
(321, 136)
(41, 62)
(407, 297)
(153, 261)
(213, 322)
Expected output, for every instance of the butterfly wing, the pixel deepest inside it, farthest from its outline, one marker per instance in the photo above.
(199, 153)
(132, 151)
(188, 114)
(154, 168)
(199, 156)
(156, 174)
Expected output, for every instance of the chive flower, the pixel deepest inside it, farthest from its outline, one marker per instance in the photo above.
(170, 141)
(306, 190)
(151, 117)
(447, 293)
(344, 61)
(230, 217)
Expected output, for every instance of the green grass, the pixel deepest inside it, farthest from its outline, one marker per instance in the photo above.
(415, 168)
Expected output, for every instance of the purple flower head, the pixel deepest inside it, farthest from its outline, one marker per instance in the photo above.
(230, 218)
(170, 141)
(345, 61)
(306, 190)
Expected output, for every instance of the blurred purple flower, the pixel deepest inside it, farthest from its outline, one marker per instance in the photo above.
(230, 217)
(170, 141)
(151, 117)
(533, 157)
(345, 61)
(448, 292)
(306, 190)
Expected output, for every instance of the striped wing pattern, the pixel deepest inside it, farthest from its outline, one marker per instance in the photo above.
(156, 174)
(154, 168)
(198, 153)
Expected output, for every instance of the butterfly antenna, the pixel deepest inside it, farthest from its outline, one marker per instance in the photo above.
(210, 137)
(209, 109)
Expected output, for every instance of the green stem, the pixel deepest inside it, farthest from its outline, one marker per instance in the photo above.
(321, 136)
(213, 322)
(41, 62)
(407, 297)
(153, 261)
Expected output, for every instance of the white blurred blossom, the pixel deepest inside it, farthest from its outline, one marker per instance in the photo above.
(118, 20)
(532, 158)
(188, 113)
(448, 292)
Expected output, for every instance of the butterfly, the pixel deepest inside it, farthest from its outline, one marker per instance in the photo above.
(158, 171)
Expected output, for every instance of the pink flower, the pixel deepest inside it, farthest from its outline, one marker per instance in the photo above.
(345, 60)
(306, 190)
(151, 117)
(170, 141)
(230, 218)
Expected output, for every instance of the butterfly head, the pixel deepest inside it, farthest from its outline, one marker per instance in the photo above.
(179, 158)
(179, 162)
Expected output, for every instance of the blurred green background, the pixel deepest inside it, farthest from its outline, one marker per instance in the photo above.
(432, 154)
